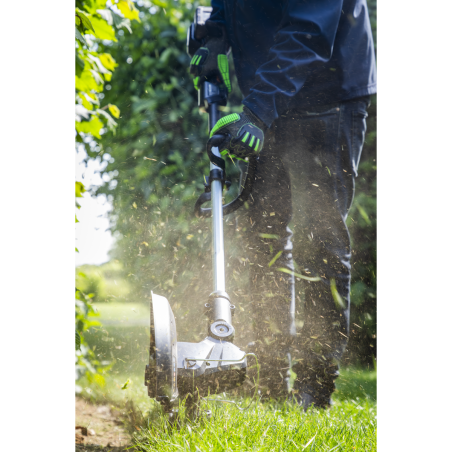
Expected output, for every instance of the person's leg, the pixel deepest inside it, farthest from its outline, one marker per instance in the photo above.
(321, 153)
(268, 247)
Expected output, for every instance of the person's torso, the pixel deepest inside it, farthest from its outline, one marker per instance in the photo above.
(252, 25)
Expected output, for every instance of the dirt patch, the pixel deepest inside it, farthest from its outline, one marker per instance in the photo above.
(94, 447)
(99, 427)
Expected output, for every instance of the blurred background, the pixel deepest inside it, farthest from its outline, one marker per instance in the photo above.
(141, 167)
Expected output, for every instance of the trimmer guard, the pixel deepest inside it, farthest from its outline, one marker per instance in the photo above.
(161, 373)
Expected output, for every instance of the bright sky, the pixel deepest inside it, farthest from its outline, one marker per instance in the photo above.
(92, 237)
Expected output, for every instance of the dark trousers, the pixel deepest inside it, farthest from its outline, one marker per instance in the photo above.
(295, 229)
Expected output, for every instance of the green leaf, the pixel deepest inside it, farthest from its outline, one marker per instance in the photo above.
(108, 61)
(128, 9)
(114, 110)
(87, 82)
(124, 386)
(92, 98)
(92, 127)
(79, 189)
(121, 22)
(166, 54)
(97, 77)
(161, 3)
(86, 103)
(103, 30)
(79, 36)
(81, 113)
(78, 341)
(106, 14)
(111, 123)
(79, 65)
(99, 64)
(85, 21)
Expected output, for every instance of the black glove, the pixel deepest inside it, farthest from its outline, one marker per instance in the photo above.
(211, 60)
(245, 134)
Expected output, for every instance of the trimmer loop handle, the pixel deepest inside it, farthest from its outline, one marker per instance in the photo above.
(246, 189)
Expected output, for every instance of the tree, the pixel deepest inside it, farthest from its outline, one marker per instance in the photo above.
(95, 24)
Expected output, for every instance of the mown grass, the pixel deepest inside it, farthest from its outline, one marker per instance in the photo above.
(348, 426)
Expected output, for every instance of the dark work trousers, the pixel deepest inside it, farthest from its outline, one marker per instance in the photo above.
(300, 275)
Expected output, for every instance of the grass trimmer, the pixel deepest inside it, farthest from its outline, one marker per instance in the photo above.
(189, 370)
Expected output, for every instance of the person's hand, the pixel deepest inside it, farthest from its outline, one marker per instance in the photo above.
(211, 59)
(244, 134)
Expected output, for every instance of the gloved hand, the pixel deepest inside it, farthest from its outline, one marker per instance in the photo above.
(245, 134)
(211, 60)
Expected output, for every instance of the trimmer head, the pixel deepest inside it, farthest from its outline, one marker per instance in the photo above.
(177, 369)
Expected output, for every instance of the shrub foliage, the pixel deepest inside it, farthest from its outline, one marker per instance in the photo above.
(156, 161)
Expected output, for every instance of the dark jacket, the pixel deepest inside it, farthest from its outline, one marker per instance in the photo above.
(298, 53)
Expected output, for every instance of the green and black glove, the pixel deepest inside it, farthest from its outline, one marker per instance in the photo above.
(245, 134)
(211, 60)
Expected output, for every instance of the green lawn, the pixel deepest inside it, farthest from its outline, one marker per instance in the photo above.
(116, 313)
(350, 425)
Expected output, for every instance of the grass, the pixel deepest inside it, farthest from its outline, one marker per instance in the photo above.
(350, 425)
(112, 391)
(117, 313)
